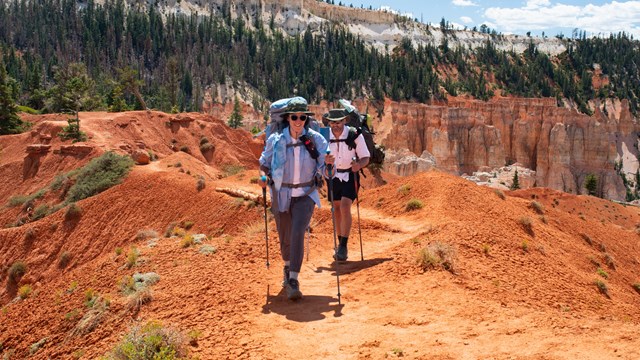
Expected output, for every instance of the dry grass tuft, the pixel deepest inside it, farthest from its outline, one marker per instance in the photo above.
(437, 255)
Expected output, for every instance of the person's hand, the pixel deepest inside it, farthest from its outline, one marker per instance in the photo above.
(355, 167)
(329, 159)
(262, 181)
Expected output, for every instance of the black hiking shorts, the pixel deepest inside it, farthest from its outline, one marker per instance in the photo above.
(344, 189)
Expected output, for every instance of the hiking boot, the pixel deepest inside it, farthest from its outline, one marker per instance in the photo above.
(342, 252)
(285, 278)
(293, 290)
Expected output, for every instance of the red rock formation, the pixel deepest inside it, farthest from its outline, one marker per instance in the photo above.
(561, 145)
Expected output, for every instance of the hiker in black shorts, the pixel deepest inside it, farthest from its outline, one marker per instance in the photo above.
(349, 156)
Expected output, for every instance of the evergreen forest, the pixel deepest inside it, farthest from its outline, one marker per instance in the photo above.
(67, 55)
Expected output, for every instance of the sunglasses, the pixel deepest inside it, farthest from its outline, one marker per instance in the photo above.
(298, 117)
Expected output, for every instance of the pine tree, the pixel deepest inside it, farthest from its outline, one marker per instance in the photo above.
(591, 184)
(235, 120)
(515, 185)
(10, 122)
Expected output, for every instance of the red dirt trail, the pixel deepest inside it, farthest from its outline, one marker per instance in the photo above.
(513, 293)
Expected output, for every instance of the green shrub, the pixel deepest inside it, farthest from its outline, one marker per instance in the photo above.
(17, 270)
(602, 273)
(98, 175)
(17, 200)
(40, 212)
(230, 170)
(151, 341)
(132, 257)
(414, 204)
(609, 261)
(24, 291)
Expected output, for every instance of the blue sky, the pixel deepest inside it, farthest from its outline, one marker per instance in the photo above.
(519, 17)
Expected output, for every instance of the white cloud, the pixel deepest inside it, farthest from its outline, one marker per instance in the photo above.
(466, 19)
(534, 4)
(539, 15)
(463, 3)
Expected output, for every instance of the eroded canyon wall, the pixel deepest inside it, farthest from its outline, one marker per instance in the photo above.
(560, 144)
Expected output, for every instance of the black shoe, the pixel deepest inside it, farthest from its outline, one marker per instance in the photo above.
(285, 278)
(293, 290)
(342, 252)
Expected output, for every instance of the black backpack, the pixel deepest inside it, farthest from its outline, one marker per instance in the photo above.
(358, 125)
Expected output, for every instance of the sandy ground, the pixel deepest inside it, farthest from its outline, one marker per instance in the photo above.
(513, 293)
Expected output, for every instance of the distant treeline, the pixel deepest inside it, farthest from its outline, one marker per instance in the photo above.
(62, 54)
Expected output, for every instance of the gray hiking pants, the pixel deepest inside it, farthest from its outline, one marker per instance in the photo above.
(291, 228)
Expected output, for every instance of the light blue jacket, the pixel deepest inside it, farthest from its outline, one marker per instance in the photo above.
(278, 158)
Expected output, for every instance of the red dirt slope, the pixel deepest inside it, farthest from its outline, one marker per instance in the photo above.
(515, 294)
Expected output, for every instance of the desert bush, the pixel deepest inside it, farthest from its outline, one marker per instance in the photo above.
(64, 259)
(404, 189)
(36, 346)
(40, 212)
(230, 170)
(93, 317)
(413, 204)
(602, 287)
(194, 336)
(608, 259)
(118, 251)
(185, 149)
(636, 287)
(544, 220)
(525, 245)
(500, 193)
(151, 341)
(73, 212)
(99, 174)
(254, 179)
(17, 270)
(200, 184)
(146, 234)
(486, 249)
(437, 255)
(24, 291)
(59, 181)
(206, 147)
(30, 234)
(137, 299)
(187, 241)
(527, 224)
(132, 257)
(537, 207)
(587, 238)
(26, 199)
(168, 231)
(602, 247)
(602, 273)
(208, 249)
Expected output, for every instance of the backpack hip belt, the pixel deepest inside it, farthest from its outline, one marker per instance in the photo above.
(295, 186)
(344, 170)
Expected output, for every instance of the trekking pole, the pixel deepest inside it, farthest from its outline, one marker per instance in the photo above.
(266, 234)
(308, 240)
(333, 219)
(355, 182)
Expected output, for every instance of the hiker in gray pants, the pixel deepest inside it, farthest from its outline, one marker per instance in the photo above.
(294, 161)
